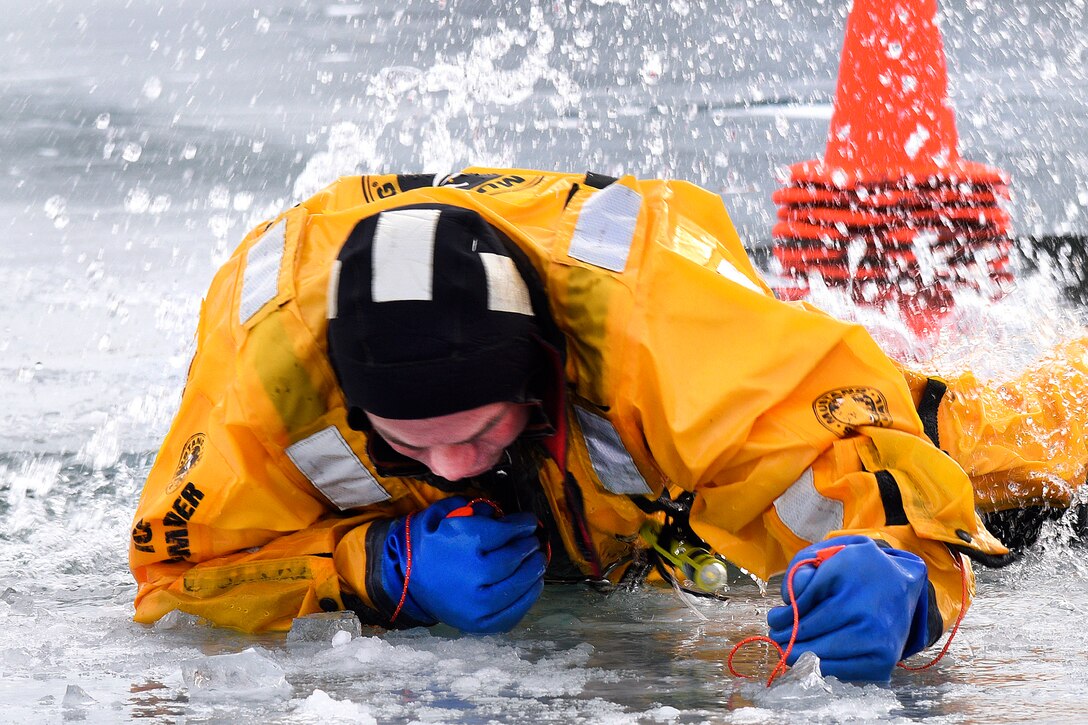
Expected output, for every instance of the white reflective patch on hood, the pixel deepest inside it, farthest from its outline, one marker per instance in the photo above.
(506, 290)
(403, 255)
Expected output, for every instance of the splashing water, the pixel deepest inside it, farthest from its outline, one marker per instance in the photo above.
(140, 143)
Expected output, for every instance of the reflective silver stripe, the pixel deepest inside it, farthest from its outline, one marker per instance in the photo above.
(806, 511)
(606, 227)
(610, 460)
(333, 294)
(260, 281)
(403, 255)
(333, 468)
(506, 290)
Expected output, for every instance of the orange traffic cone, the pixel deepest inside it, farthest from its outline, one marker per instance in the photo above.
(892, 212)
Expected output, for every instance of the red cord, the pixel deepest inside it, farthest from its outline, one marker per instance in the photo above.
(783, 654)
(822, 556)
(407, 566)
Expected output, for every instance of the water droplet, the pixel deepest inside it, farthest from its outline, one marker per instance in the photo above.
(132, 152)
(199, 52)
(54, 206)
(152, 88)
(160, 204)
(895, 50)
(102, 122)
(263, 25)
(137, 200)
(652, 68)
(189, 152)
(242, 201)
(916, 141)
(219, 197)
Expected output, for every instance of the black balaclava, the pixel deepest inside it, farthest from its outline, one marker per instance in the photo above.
(428, 315)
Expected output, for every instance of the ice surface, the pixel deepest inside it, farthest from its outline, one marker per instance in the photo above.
(139, 141)
(246, 675)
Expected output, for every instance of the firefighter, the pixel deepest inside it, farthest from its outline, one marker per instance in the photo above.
(419, 399)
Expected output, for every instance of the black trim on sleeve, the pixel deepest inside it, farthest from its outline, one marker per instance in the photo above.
(934, 620)
(927, 408)
(890, 496)
(598, 181)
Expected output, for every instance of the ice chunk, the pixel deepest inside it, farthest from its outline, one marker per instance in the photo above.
(76, 696)
(324, 708)
(246, 675)
(323, 626)
(177, 619)
(804, 678)
(663, 713)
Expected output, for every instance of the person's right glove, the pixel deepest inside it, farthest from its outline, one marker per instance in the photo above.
(861, 610)
(476, 572)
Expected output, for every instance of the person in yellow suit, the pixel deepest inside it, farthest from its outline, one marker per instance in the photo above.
(420, 398)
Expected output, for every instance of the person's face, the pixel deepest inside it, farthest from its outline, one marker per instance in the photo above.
(459, 445)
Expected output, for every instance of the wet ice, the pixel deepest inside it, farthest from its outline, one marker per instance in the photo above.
(139, 143)
(247, 675)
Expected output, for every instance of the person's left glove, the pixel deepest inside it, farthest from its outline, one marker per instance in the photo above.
(861, 610)
(471, 569)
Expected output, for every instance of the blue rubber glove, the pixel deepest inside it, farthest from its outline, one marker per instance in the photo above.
(476, 572)
(861, 611)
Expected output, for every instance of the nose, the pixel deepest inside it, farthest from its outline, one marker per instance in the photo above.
(454, 462)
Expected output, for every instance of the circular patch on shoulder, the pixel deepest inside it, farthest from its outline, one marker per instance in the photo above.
(843, 409)
(190, 454)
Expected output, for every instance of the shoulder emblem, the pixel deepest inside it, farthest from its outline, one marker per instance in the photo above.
(190, 454)
(843, 409)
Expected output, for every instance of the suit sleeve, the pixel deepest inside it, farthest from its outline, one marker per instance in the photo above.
(235, 540)
(227, 527)
(789, 426)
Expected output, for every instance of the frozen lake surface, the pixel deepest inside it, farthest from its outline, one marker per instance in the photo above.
(138, 143)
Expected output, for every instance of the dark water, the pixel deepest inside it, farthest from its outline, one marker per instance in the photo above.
(139, 142)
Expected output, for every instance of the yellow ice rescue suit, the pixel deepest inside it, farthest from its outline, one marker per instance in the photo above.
(682, 373)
